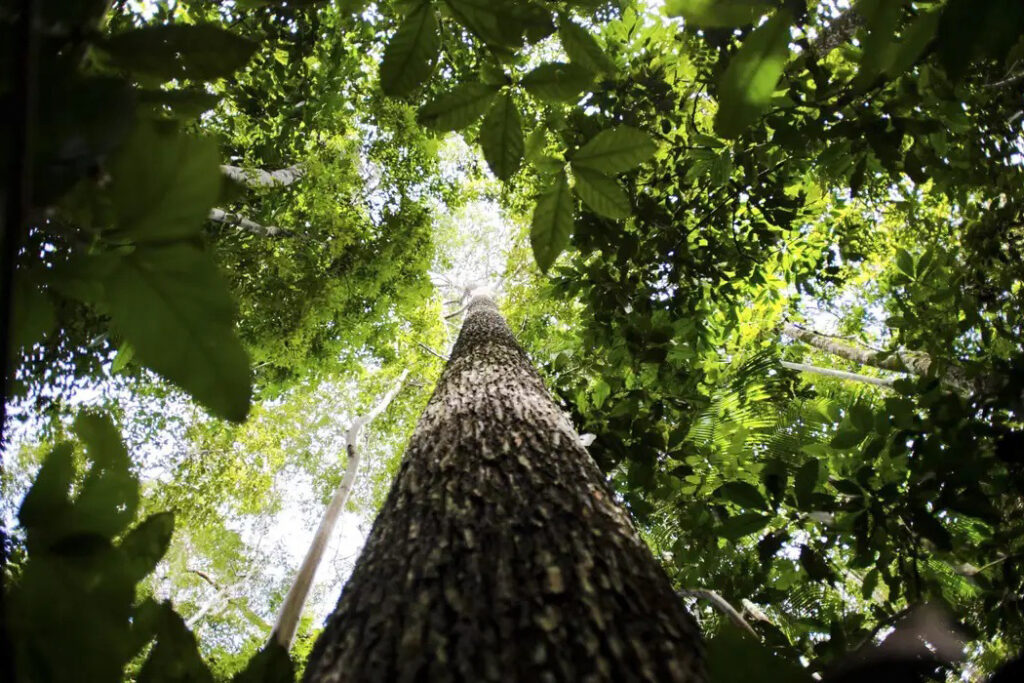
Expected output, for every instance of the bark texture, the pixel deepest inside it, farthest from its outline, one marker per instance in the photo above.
(500, 553)
(235, 220)
(256, 178)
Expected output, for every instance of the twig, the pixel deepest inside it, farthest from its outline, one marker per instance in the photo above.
(722, 605)
(431, 351)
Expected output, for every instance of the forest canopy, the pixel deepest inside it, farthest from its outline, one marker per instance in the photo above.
(767, 256)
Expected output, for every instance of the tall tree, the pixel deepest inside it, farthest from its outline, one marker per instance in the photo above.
(501, 553)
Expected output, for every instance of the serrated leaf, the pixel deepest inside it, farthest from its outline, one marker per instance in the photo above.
(745, 89)
(558, 82)
(582, 48)
(743, 494)
(144, 546)
(615, 150)
(179, 51)
(717, 13)
(171, 304)
(411, 52)
(457, 108)
(501, 137)
(552, 222)
(163, 185)
(601, 193)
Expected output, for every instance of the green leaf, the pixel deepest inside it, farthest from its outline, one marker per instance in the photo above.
(582, 48)
(745, 89)
(457, 108)
(501, 137)
(558, 82)
(33, 315)
(182, 104)
(176, 51)
(109, 496)
(915, 41)
(733, 657)
(862, 418)
(410, 54)
(815, 565)
(905, 262)
(741, 525)
(175, 656)
(270, 665)
(867, 588)
(552, 222)
(48, 497)
(600, 392)
(171, 304)
(146, 544)
(804, 482)
(123, 357)
(601, 193)
(615, 150)
(743, 494)
(163, 185)
(717, 13)
(847, 438)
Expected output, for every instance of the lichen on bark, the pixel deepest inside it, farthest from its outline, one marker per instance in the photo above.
(500, 553)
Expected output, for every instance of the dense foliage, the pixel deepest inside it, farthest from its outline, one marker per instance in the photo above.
(711, 206)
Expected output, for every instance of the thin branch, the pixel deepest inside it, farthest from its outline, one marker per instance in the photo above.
(238, 221)
(203, 575)
(839, 374)
(256, 178)
(723, 606)
(431, 351)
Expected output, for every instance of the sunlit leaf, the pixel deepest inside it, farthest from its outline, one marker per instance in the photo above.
(552, 222)
(601, 193)
(615, 150)
(457, 108)
(717, 13)
(557, 82)
(582, 48)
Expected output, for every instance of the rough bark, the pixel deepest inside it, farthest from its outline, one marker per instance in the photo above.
(256, 178)
(235, 220)
(500, 553)
(839, 374)
(920, 364)
(295, 600)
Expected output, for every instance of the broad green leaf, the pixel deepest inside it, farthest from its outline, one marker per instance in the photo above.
(914, 42)
(733, 657)
(109, 496)
(145, 545)
(582, 48)
(501, 137)
(558, 82)
(905, 262)
(743, 524)
(457, 108)
(48, 497)
(552, 222)
(163, 185)
(815, 565)
(615, 150)
(410, 54)
(172, 306)
(123, 357)
(600, 392)
(804, 482)
(181, 104)
(717, 13)
(862, 417)
(743, 494)
(178, 51)
(175, 656)
(867, 588)
(270, 665)
(601, 193)
(745, 89)
(847, 438)
(32, 315)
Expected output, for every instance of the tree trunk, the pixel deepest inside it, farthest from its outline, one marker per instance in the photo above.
(500, 553)
(256, 178)
(899, 361)
(839, 374)
(295, 600)
(235, 220)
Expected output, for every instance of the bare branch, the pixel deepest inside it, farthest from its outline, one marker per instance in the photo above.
(235, 220)
(256, 178)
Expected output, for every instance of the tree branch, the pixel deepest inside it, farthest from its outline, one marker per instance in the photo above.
(723, 606)
(256, 178)
(235, 220)
(839, 374)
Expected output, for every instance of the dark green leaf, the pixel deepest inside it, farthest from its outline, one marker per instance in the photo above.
(601, 193)
(410, 54)
(146, 544)
(501, 137)
(847, 438)
(172, 306)
(927, 526)
(558, 82)
(177, 51)
(183, 104)
(733, 657)
(804, 482)
(48, 497)
(743, 494)
(582, 48)
(815, 565)
(163, 185)
(615, 150)
(744, 524)
(33, 314)
(867, 589)
(745, 89)
(768, 546)
(175, 656)
(552, 222)
(717, 13)
(270, 665)
(862, 418)
(915, 41)
(457, 108)
(109, 495)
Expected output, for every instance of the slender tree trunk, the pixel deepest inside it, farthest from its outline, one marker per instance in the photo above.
(839, 374)
(235, 220)
(899, 361)
(256, 178)
(295, 600)
(501, 553)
